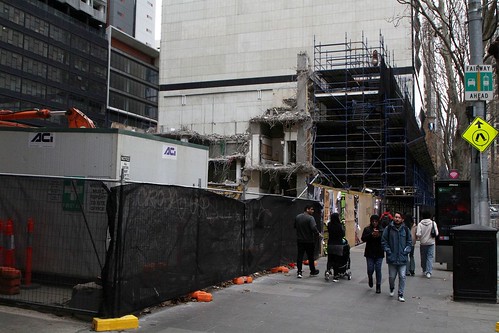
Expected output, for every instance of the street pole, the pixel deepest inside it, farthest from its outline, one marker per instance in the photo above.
(479, 163)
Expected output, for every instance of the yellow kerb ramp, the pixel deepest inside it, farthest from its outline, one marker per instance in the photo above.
(116, 324)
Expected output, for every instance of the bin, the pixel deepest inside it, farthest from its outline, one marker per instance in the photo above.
(475, 263)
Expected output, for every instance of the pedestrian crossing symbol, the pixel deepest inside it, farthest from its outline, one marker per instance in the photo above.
(480, 134)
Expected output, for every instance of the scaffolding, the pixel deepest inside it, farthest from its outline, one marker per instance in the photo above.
(366, 133)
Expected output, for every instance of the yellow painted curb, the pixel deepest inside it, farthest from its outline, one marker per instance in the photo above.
(115, 324)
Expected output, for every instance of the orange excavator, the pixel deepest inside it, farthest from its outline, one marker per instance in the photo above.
(76, 118)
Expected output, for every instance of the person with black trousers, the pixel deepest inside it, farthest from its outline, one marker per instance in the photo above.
(411, 264)
(335, 244)
(306, 229)
(373, 251)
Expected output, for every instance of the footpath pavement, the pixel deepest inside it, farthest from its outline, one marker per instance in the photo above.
(282, 303)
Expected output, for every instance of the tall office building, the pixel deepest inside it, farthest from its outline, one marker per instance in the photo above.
(133, 83)
(135, 18)
(54, 54)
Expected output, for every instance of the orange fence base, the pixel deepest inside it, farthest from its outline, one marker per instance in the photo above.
(202, 296)
(280, 269)
(242, 280)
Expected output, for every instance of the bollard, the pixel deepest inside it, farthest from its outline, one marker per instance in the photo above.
(29, 252)
(10, 248)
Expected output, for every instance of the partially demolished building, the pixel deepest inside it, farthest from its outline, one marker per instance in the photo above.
(280, 110)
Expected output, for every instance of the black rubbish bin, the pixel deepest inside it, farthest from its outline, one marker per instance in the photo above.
(475, 263)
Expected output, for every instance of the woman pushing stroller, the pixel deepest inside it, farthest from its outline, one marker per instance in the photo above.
(337, 256)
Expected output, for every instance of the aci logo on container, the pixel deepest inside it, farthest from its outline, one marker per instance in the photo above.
(170, 152)
(42, 139)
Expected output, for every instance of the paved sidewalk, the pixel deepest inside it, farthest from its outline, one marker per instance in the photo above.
(282, 303)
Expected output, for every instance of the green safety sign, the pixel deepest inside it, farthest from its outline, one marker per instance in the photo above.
(478, 83)
(73, 195)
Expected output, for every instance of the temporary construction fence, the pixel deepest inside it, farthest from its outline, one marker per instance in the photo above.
(103, 248)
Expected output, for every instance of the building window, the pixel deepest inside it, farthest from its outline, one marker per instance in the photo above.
(59, 34)
(35, 24)
(34, 89)
(12, 14)
(58, 55)
(35, 67)
(11, 59)
(10, 82)
(12, 37)
(36, 46)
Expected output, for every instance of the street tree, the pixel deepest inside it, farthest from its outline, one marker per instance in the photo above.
(445, 53)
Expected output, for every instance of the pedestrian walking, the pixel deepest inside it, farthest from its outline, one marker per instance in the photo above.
(335, 247)
(306, 231)
(411, 263)
(373, 251)
(426, 232)
(386, 218)
(397, 243)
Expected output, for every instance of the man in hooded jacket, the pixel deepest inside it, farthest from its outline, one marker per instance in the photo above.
(426, 242)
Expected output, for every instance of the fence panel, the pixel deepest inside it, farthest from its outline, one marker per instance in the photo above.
(270, 237)
(174, 240)
(67, 246)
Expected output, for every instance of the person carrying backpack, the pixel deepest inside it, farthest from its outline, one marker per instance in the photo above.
(386, 218)
(424, 232)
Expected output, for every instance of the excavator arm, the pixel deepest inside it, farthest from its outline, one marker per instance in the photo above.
(76, 118)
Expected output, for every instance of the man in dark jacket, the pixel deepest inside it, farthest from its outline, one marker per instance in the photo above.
(397, 244)
(306, 229)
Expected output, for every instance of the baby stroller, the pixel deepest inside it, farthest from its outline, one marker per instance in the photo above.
(338, 259)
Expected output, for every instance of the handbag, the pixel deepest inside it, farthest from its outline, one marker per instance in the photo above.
(433, 233)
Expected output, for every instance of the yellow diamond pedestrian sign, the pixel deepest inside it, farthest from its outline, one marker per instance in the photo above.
(480, 134)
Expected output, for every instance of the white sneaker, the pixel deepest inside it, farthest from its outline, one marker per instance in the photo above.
(401, 298)
(327, 275)
(299, 275)
(392, 293)
(428, 275)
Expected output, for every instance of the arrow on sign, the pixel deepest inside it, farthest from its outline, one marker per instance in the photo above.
(479, 124)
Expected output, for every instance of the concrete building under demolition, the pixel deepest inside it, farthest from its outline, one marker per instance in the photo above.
(279, 108)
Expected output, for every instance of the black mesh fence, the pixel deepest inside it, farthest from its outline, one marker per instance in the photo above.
(111, 250)
(270, 238)
(61, 259)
